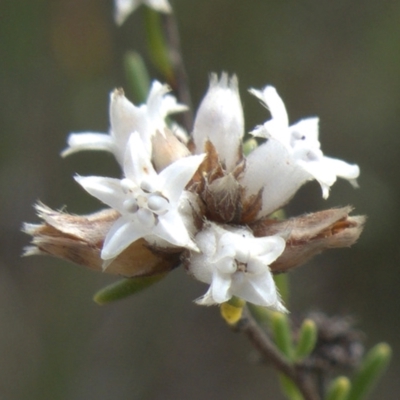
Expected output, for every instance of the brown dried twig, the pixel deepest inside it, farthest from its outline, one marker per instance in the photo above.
(268, 350)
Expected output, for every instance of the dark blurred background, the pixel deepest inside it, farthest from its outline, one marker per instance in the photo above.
(59, 59)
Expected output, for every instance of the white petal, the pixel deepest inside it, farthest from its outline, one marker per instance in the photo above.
(123, 8)
(170, 227)
(264, 293)
(256, 266)
(107, 190)
(160, 104)
(220, 286)
(271, 99)
(137, 164)
(88, 141)
(343, 169)
(220, 120)
(125, 119)
(271, 167)
(307, 128)
(159, 5)
(272, 129)
(223, 252)
(206, 299)
(120, 236)
(260, 290)
(175, 177)
(267, 249)
(322, 173)
(226, 265)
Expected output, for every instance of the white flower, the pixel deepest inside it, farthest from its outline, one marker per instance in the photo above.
(148, 203)
(126, 118)
(301, 142)
(290, 157)
(220, 120)
(235, 263)
(123, 8)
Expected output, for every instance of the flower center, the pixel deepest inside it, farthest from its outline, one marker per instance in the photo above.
(144, 202)
(304, 148)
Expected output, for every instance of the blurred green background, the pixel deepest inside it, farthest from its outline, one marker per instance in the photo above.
(59, 60)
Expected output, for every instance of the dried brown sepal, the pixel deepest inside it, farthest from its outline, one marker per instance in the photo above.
(209, 170)
(222, 198)
(251, 205)
(80, 238)
(310, 234)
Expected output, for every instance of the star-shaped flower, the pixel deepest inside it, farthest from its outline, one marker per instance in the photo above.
(126, 118)
(235, 263)
(301, 141)
(148, 202)
(291, 157)
(123, 8)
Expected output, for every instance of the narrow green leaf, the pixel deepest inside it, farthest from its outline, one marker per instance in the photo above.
(137, 76)
(282, 334)
(124, 288)
(157, 45)
(307, 339)
(289, 388)
(372, 367)
(261, 314)
(338, 389)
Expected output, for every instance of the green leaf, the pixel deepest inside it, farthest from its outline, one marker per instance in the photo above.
(137, 76)
(124, 288)
(307, 339)
(157, 45)
(339, 389)
(372, 367)
(289, 388)
(282, 334)
(261, 314)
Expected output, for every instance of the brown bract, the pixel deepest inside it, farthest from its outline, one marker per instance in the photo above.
(80, 239)
(310, 234)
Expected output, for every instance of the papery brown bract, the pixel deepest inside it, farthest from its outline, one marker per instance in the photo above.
(80, 239)
(310, 234)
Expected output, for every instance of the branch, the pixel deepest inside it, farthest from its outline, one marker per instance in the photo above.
(268, 350)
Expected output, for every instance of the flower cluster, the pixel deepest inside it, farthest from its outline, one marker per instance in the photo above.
(199, 200)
